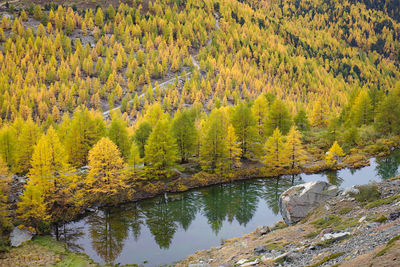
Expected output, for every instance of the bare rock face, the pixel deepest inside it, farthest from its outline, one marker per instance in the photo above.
(296, 202)
(19, 236)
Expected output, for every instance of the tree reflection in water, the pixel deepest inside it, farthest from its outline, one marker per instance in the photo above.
(166, 215)
(273, 188)
(387, 167)
(108, 230)
(333, 177)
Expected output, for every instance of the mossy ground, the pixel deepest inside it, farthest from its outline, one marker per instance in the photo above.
(44, 251)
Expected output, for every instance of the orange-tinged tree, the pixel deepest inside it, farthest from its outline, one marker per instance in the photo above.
(106, 178)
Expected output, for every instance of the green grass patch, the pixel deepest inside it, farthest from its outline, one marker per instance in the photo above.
(327, 258)
(336, 222)
(279, 225)
(344, 224)
(50, 243)
(381, 219)
(326, 221)
(67, 258)
(274, 246)
(345, 210)
(74, 260)
(368, 193)
(383, 201)
(388, 246)
(312, 234)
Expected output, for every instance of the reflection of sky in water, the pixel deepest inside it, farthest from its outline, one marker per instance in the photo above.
(164, 230)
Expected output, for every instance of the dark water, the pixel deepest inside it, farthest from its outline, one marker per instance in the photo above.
(166, 229)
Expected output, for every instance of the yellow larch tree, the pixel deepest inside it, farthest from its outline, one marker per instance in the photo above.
(297, 154)
(106, 177)
(319, 115)
(233, 148)
(276, 151)
(334, 154)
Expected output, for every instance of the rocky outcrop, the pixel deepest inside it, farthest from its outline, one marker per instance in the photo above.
(296, 202)
(19, 236)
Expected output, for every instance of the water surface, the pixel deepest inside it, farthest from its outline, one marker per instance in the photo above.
(168, 228)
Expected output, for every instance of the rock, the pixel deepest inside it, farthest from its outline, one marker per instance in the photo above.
(19, 236)
(240, 262)
(19, 179)
(251, 263)
(199, 265)
(259, 250)
(350, 190)
(372, 225)
(262, 230)
(394, 215)
(282, 257)
(363, 218)
(335, 236)
(267, 260)
(296, 202)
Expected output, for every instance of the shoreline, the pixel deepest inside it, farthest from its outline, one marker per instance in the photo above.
(371, 228)
(194, 182)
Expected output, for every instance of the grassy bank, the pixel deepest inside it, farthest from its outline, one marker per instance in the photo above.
(44, 251)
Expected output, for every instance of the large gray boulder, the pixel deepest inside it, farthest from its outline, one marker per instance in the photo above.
(19, 236)
(296, 202)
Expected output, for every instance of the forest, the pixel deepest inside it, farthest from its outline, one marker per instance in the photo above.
(111, 104)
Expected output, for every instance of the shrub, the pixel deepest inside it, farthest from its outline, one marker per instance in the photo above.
(345, 210)
(368, 193)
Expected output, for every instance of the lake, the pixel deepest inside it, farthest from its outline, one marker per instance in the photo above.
(166, 229)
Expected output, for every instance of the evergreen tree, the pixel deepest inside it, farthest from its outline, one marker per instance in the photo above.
(118, 133)
(134, 157)
(361, 113)
(244, 124)
(141, 135)
(27, 139)
(84, 131)
(160, 151)
(184, 131)
(278, 117)
(213, 146)
(301, 121)
(387, 119)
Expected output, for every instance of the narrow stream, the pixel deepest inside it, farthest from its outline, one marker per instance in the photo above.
(166, 229)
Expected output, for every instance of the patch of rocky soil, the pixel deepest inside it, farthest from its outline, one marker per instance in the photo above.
(352, 229)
